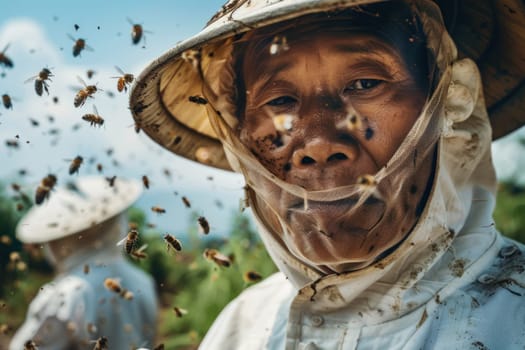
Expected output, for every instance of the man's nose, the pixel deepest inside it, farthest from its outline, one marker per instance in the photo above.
(322, 151)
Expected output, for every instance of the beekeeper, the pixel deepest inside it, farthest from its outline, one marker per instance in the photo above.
(78, 227)
(364, 139)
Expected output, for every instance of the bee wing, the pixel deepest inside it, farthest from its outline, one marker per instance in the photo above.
(142, 248)
(95, 110)
(122, 241)
(31, 79)
(119, 70)
(71, 37)
(81, 81)
(130, 21)
(6, 47)
(88, 48)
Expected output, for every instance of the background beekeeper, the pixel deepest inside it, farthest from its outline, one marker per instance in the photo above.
(78, 227)
(364, 139)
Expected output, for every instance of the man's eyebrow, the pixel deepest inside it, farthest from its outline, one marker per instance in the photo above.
(264, 80)
(366, 47)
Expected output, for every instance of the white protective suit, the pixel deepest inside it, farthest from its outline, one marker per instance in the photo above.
(76, 308)
(453, 283)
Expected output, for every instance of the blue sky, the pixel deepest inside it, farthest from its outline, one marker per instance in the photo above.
(37, 32)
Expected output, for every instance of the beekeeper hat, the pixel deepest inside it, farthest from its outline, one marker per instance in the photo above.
(74, 208)
(165, 98)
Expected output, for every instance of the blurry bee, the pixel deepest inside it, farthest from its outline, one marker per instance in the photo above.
(278, 45)
(159, 347)
(80, 44)
(14, 257)
(186, 202)
(113, 285)
(19, 206)
(198, 100)
(124, 80)
(252, 276)
(93, 118)
(6, 100)
(172, 242)
(90, 73)
(84, 93)
(145, 181)
(130, 240)
(205, 226)
(133, 225)
(12, 143)
(86, 269)
(111, 180)
(158, 210)
(179, 311)
(75, 165)
(43, 190)
(192, 56)
(151, 225)
(30, 345)
(101, 343)
(5, 239)
(91, 328)
(4, 328)
(6, 61)
(217, 257)
(167, 172)
(40, 81)
(55, 99)
(99, 167)
(139, 253)
(366, 181)
(354, 122)
(34, 122)
(137, 32)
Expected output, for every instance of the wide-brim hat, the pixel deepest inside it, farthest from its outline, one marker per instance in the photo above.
(488, 31)
(81, 205)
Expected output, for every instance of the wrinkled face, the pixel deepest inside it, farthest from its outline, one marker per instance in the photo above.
(319, 113)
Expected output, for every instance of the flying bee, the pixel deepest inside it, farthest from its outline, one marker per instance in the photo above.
(159, 347)
(366, 181)
(113, 285)
(130, 240)
(30, 345)
(100, 168)
(43, 190)
(140, 253)
(101, 343)
(4, 328)
(6, 61)
(205, 226)
(90, 73)
(16, 187)
(145, 181)
(252, 276)
(84, 93)
(6, 100)
(80, 44)
(278, 45)
(137, 32)
(172, 242)
(75, 165)
(198, 100)
(93, 118)
(111, 180)
(41, 81)
(186, 202)
(124, 80)
(86, 269)
(179, 311)
(158, 210)
(218, 258)
(12, 143)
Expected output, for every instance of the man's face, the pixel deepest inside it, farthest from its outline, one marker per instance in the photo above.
(329, 109)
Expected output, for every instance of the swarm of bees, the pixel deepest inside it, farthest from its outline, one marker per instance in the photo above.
(124, 80)
(172, 242)
(84, 93)
(75, 165)
(4, 60)
(6, 101)
(94, 118)
(113, 285)
(204, 225)
(45, 187)
(130, 240)
(41, 81)
(216, 257)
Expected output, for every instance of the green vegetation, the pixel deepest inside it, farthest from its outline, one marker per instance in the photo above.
(184, 279)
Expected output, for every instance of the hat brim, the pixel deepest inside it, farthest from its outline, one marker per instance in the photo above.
(485, 31)
(67, 212)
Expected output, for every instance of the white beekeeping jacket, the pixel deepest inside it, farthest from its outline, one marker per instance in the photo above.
(76, 309)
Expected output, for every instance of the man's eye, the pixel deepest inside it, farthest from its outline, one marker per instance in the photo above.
(281, 101)
(363, 84)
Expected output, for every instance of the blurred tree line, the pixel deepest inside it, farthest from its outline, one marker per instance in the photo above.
(192, 290)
